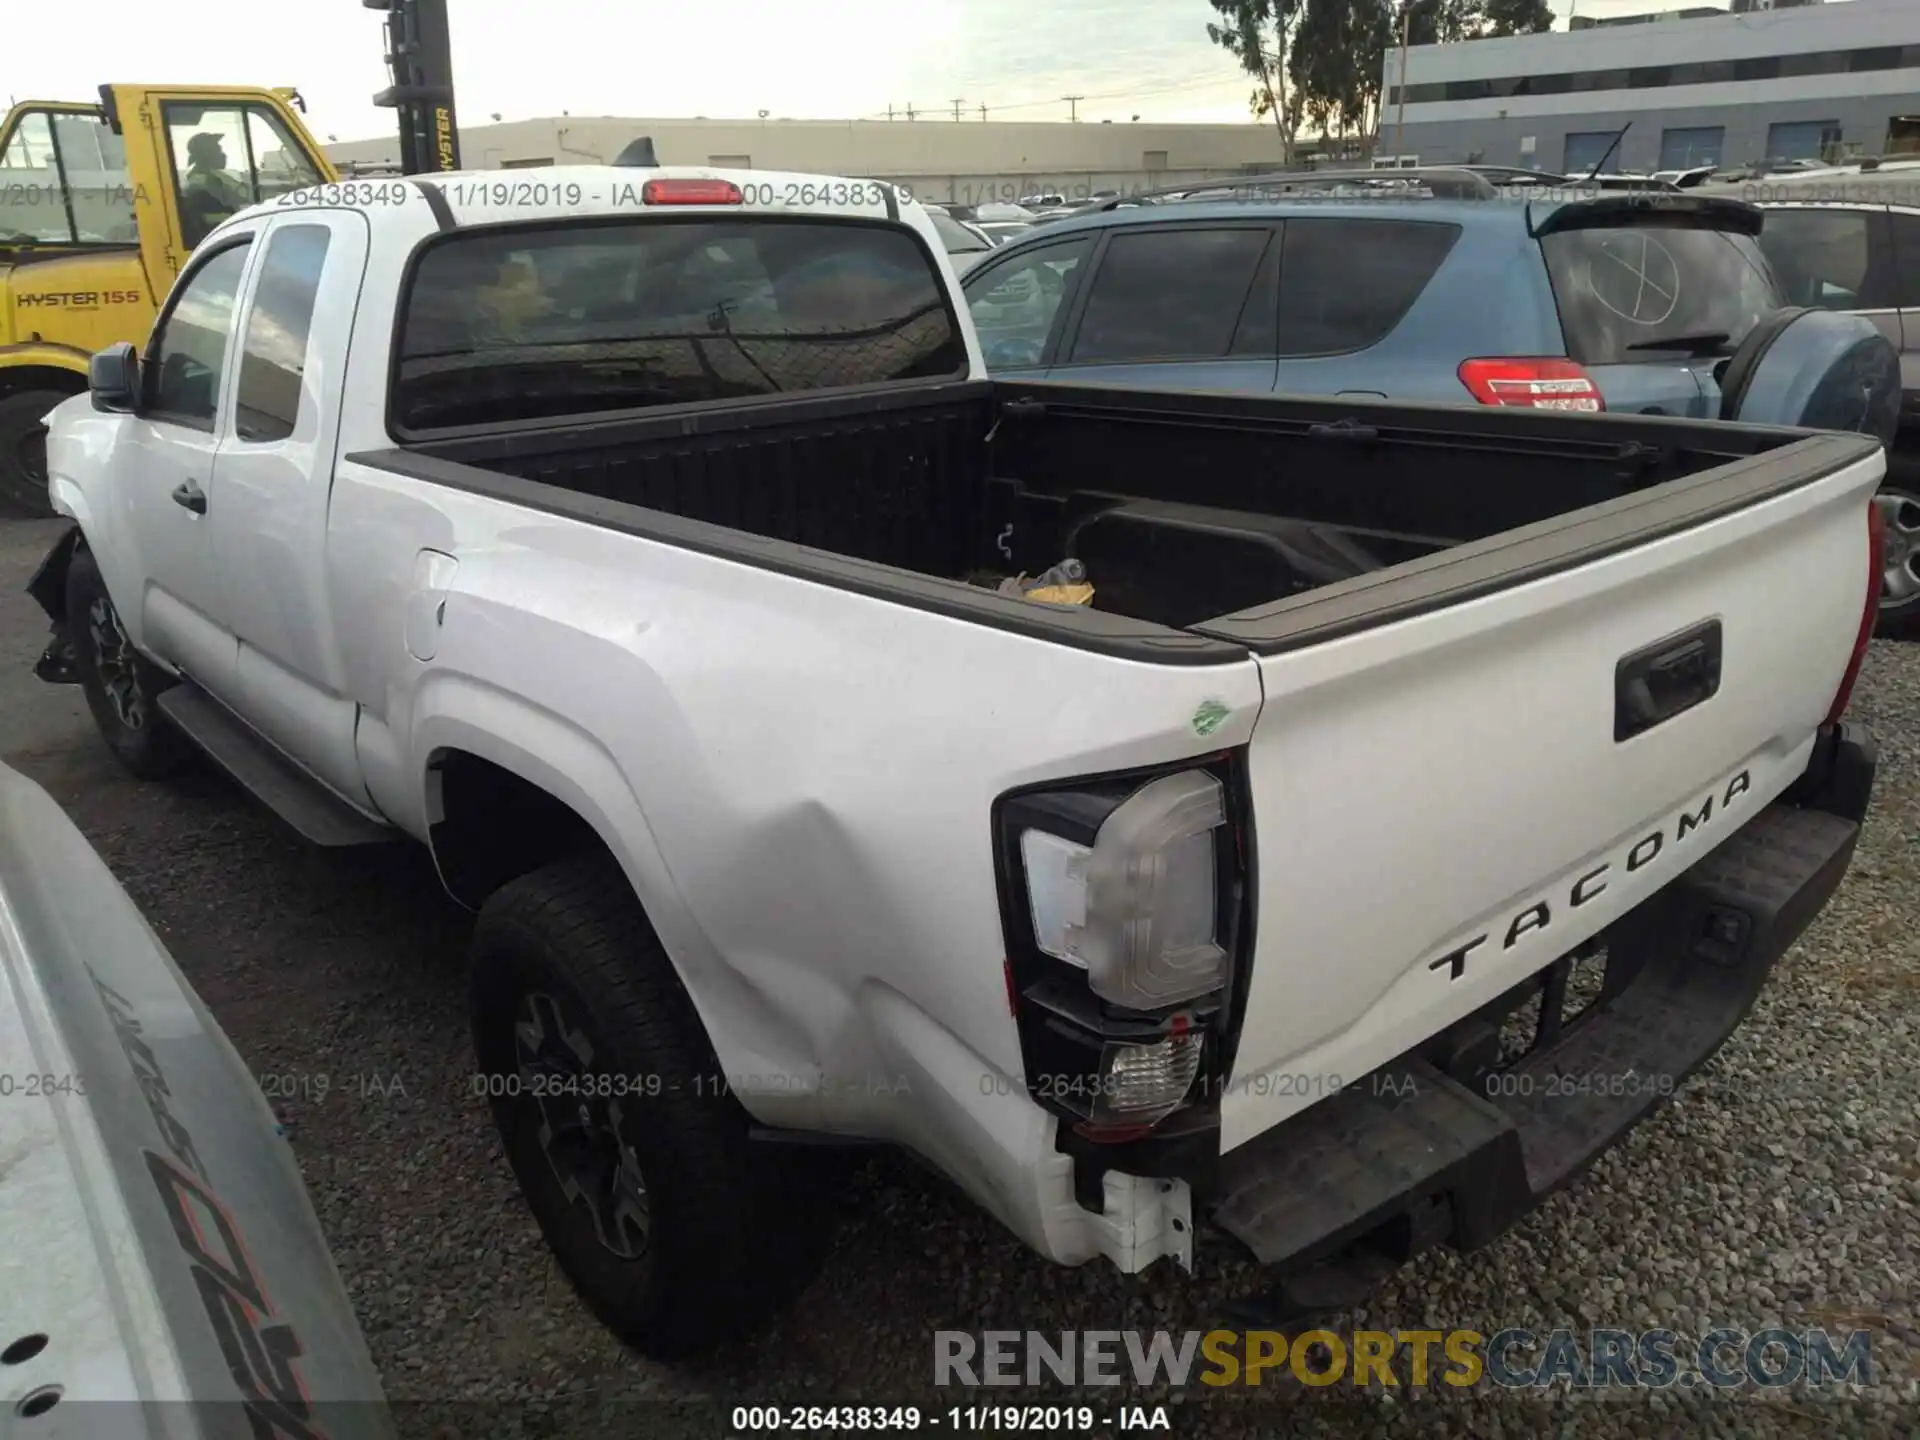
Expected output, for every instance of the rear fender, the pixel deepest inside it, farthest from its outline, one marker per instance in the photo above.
(749, 1035)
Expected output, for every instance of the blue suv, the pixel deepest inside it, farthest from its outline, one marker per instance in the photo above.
(1431, 285)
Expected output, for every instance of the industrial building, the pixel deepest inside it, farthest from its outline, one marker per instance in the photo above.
(1701, 86)
(966, 161)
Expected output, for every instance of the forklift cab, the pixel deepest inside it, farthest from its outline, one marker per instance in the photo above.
(223, 155)
(100, 206)
(78, 177)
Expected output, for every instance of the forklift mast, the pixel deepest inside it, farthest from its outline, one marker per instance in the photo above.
(420, 62)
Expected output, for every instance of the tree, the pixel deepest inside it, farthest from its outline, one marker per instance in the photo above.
(1440, 22)
(1258, 34)
(1517, 17)
(1370, 26)
(1318, 63)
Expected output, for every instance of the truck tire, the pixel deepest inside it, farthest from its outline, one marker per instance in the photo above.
(1899, 617)
(121, 685)
(678, 1231)
(1899, 502)
(23, 451)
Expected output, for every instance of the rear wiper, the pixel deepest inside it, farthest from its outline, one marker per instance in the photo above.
(1707, 342)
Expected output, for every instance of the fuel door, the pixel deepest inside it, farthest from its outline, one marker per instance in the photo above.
(426, 609)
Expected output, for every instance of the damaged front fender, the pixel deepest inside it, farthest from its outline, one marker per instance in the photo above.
(49, 588)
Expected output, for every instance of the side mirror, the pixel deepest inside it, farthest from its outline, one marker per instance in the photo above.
(113, 379)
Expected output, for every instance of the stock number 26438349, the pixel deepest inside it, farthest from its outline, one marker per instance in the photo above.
(823, 192)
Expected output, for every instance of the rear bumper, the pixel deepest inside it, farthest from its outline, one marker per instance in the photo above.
(1413, 1155)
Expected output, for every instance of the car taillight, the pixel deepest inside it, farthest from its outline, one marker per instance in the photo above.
(1869, 613)
(1541, 383)
(1126, 904)
(691, 192)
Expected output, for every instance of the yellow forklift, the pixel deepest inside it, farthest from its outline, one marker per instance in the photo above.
(100, 205)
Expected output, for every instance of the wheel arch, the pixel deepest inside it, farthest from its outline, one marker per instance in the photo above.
(488, 824)
(482, 748)
(529, 789)
(48, 369)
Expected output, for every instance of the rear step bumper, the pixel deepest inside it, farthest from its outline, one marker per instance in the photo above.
(1409, 1156)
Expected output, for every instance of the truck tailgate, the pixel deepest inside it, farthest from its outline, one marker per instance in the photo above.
(1446, 803)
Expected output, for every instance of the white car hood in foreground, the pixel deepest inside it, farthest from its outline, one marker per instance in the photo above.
(154, 1229)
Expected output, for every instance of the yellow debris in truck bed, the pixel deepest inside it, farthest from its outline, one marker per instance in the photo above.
(1061, 594)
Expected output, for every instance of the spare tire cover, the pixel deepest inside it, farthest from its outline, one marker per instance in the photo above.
(1827, 370)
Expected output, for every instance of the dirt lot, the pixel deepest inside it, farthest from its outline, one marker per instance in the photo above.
(1782, 1187)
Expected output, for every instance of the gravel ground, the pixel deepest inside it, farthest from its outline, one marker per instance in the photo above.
(1782, 1187)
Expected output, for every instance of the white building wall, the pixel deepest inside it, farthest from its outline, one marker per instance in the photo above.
(1535, 128)
(965, 161)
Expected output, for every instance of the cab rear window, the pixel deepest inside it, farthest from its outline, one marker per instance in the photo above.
(572, 319)
(1646, 293)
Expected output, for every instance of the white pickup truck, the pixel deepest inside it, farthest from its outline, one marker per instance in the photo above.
(650, 545)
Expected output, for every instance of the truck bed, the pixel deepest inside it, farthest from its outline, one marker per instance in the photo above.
(911, 494)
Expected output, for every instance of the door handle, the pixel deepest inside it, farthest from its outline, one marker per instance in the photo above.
(192, 496)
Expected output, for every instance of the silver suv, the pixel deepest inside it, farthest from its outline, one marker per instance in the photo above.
(1854, 244)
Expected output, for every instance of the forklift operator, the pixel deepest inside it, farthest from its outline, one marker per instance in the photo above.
(209, 192)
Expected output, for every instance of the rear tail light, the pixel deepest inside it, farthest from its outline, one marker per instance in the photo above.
(1543, 383)
(691, 192)
(1125, 902)
(1869, 613)
(1138, 908)
(1143, 1084)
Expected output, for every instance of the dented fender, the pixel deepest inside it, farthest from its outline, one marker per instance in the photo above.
(48, 587)
(49, 583)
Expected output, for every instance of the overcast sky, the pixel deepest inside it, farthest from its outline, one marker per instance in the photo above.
(717, 58)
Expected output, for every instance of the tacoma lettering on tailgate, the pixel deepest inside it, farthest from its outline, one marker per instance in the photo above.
(1642, 853)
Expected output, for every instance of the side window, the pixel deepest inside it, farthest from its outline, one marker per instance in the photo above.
(1344, 284)
(1835, 259)
(1014, 304)
(1257, 332)
(63, 181)
(1169, 295)
(279, 163)
(93, 161)
(187, 355)
(226, 157)
(274, 354)
(30, 207)
(1906, 249)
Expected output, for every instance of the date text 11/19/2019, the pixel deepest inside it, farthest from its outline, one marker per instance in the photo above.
(1037, 1419)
